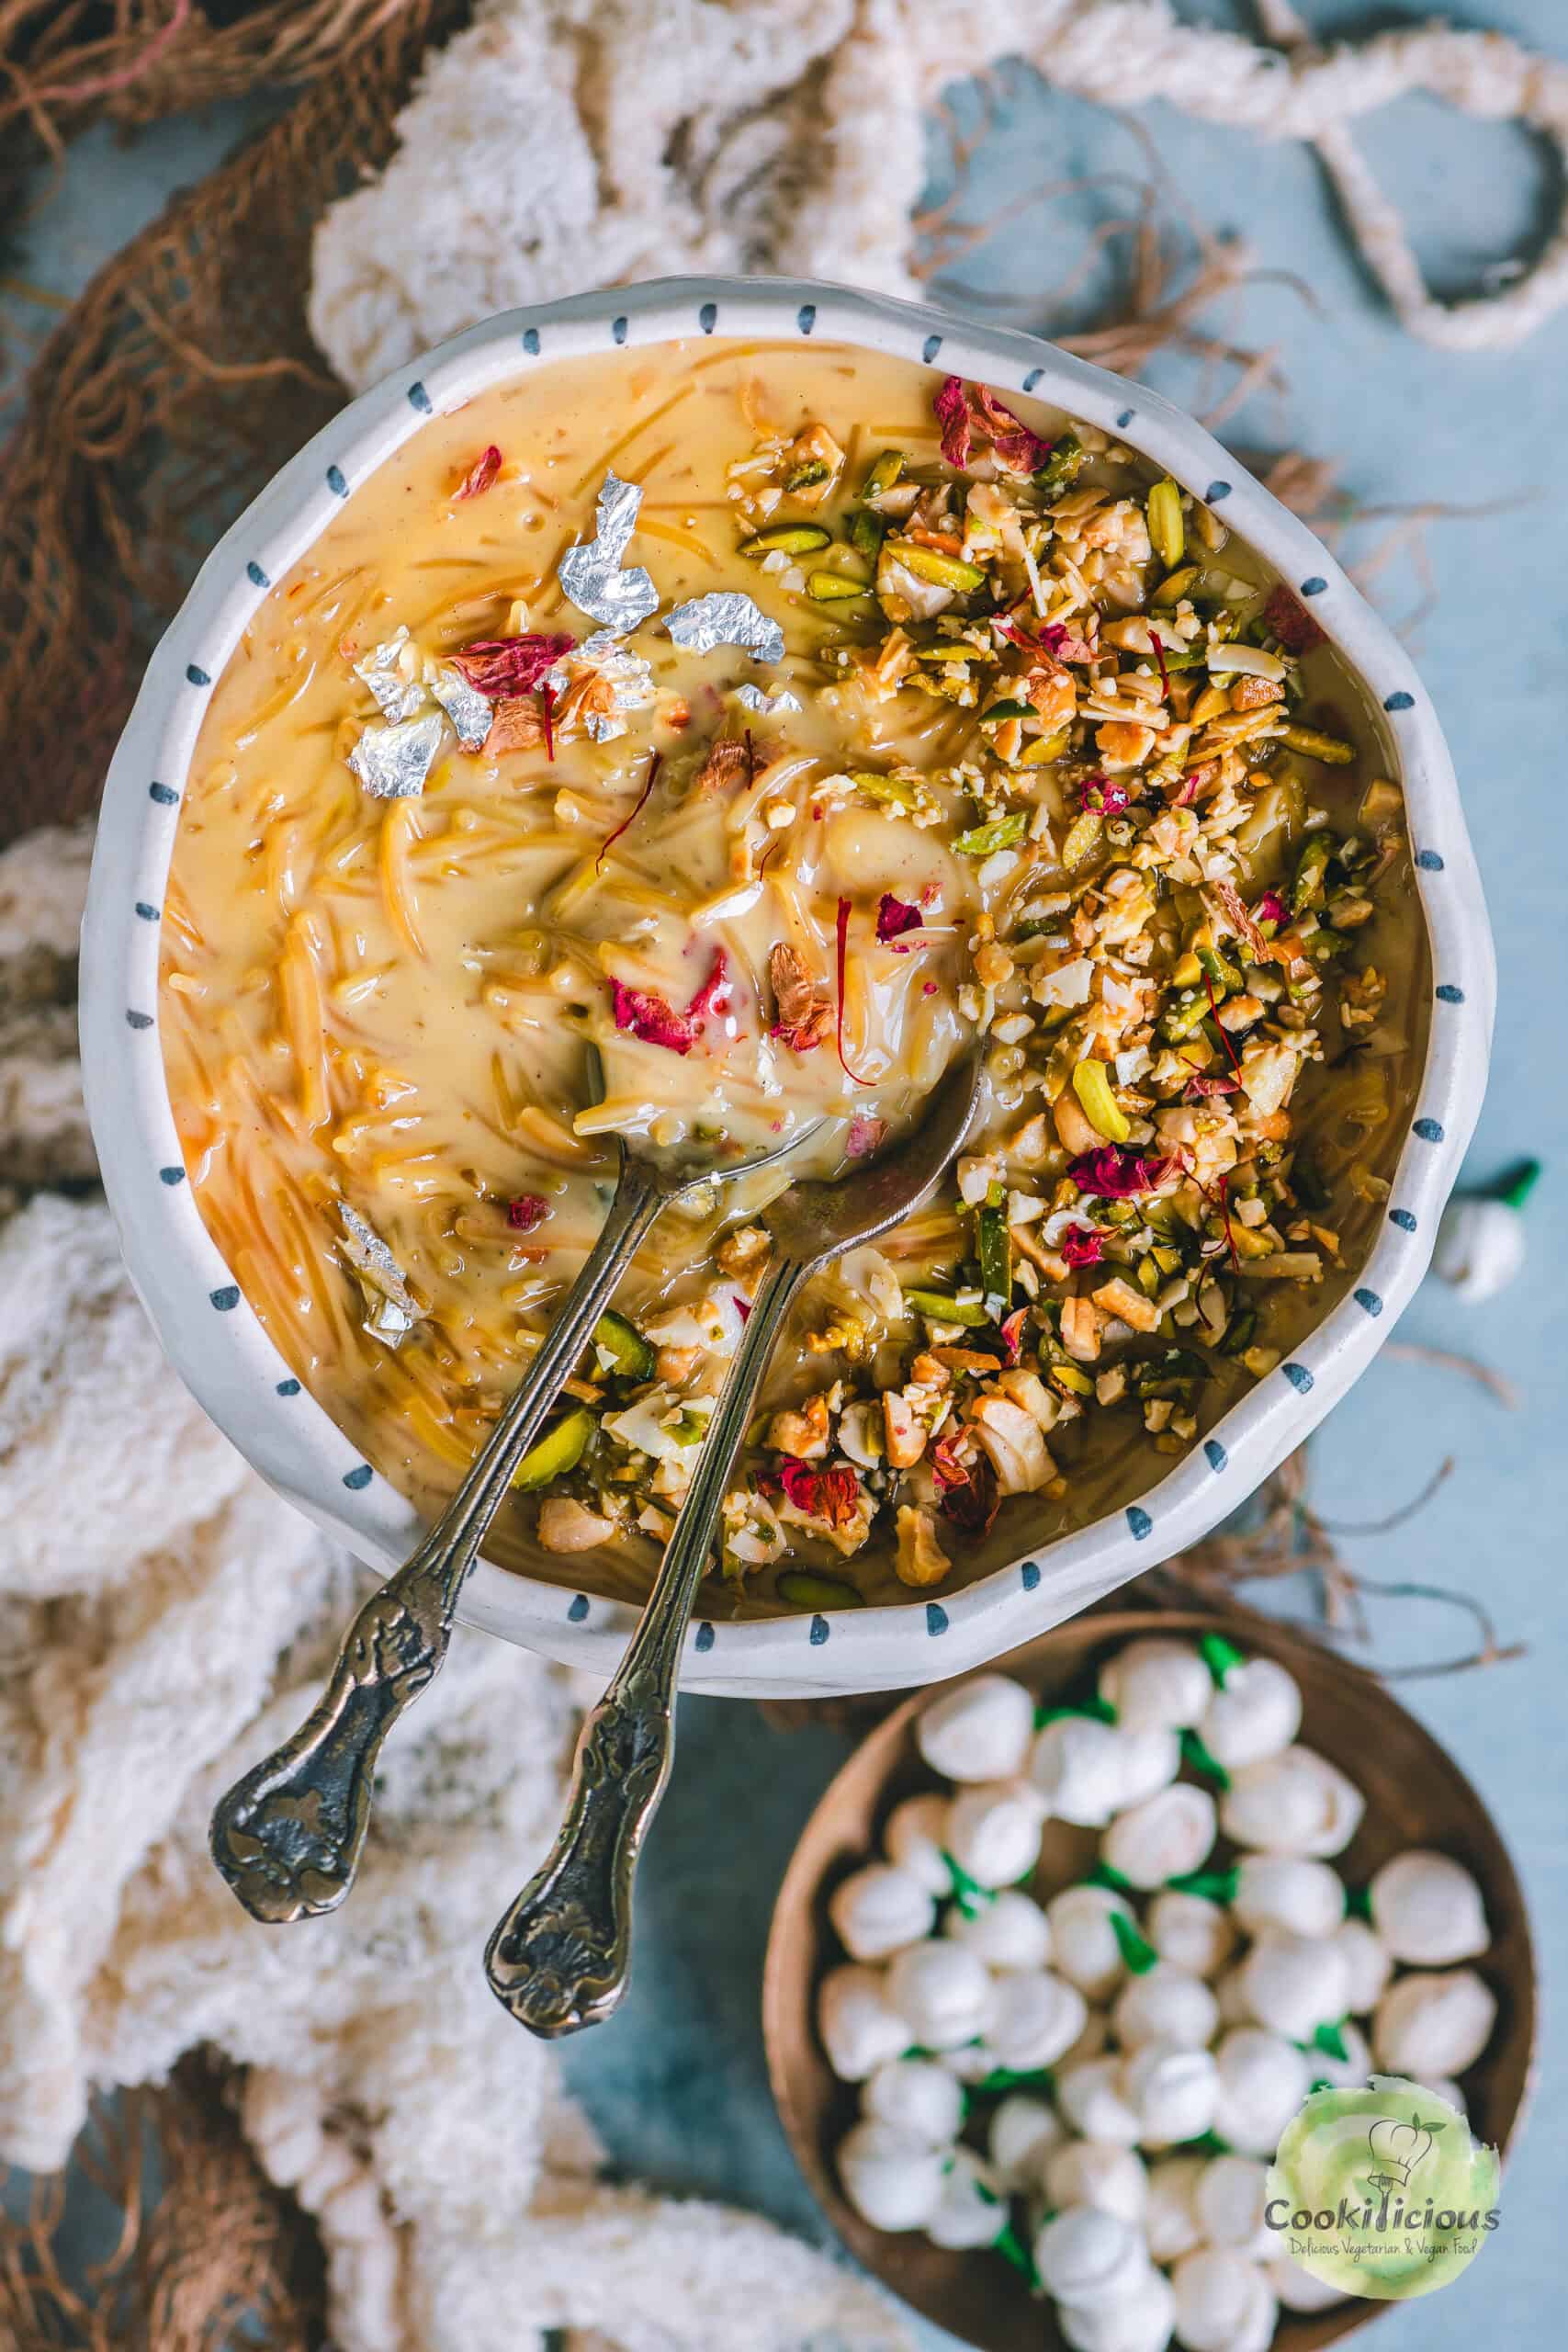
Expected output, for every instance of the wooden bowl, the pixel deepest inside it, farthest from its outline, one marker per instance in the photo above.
(1416, 1796)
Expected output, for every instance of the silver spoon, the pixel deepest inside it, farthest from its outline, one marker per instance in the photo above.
(288, 1836)
(560, 1958)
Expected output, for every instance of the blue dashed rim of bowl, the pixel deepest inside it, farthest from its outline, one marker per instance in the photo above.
(208, 1328)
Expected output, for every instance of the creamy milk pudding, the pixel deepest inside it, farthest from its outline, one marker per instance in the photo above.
(776, 719)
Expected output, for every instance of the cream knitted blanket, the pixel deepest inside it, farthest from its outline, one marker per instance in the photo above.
(162, 1618)
(558, 144)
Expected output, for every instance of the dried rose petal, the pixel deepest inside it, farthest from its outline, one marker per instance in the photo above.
(832, 1495)
(480, 474)
(1012, 444)
(1200, 1088)
(865, 1134)
(963, 408)
(1069, 644)
(1056, 638)
(1292, 623)
(948, 1465)
(1107, 796)
(1082, 1246)
(1114, 1175)
(1025, 640)
(1270, 907)
(968, 1491)
(894, 917)
(526, 1211)
(511, 665)
(839, 1492)
(952, 410)
(647, 1015)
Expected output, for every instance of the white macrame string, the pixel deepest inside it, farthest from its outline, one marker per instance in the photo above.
(1121, 52)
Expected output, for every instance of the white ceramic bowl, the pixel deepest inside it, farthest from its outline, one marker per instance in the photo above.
(215, 1342)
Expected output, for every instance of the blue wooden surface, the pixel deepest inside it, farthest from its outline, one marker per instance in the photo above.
(676, 2083)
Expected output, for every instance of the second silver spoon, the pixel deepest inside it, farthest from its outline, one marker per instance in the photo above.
(288, 1837)
(561, 1959)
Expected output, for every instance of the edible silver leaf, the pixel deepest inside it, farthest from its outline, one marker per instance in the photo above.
(468, 710)
(396, 697)
(724, 617)
(392, 763)
(767, 706)
(392, 1310)
(590, 571)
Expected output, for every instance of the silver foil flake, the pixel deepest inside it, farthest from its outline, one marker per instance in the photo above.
(765, 705)
(591, 573)
(392, 763)
(392, 1310)
(468, 710)
(396, 697)
(726, 617)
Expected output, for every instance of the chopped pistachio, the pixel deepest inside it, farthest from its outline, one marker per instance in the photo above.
(1174, 586)
(884, 473)
(1082, 835)
(1330, 749)
(931, 564)
(787, 539)
(1002, 832)
(1091, 1084)
(561, 1449)
(1063, 467)
(834, 587)
(1168, 532)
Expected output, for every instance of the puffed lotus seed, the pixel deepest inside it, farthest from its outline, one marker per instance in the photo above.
(979, 1730)
(1428, 1910)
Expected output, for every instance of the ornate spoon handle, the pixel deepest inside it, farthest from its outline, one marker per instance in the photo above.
(288, 1836)
(561, 1959)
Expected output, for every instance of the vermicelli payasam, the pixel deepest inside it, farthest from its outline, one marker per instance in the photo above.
(992, 729)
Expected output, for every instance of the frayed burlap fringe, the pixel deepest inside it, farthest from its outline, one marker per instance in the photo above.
(170, 392)
(205, 2254)
(65, 66)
